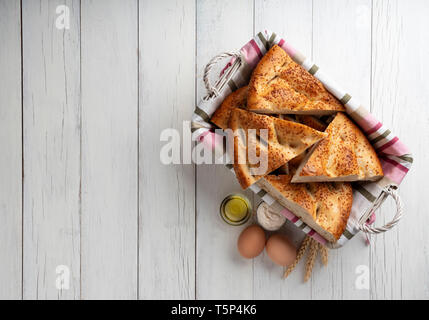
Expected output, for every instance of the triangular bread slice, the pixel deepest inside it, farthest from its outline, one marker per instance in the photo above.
(345, 155)
(236, 99)
(280, 85)
(324, 207)
(284, 140)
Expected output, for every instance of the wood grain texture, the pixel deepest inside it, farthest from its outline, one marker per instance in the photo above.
(399, 258)
(10, 155)
(51, 119)
(290, 19)
(345, 54)
(109, 149)
(221, 272)
(167, 192)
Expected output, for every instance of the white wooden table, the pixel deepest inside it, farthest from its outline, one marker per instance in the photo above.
(82, 188)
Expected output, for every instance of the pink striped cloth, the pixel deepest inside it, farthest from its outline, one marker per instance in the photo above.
(395, 157)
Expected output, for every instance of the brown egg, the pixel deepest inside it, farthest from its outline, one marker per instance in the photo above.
(281, 250)
(251, 241)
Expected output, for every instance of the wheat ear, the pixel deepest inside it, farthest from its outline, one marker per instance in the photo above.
(324, 254)
(299, 255)
(310, 260)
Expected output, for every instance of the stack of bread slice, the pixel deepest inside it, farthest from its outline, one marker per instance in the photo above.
(313, 149)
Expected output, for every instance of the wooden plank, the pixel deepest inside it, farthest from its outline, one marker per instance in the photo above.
(288, 18)
(109, 149)
(221, 272)
(51, 112)
(291, 20)
(345, 54)
(399, 261)
(11, 155)
(167, 192)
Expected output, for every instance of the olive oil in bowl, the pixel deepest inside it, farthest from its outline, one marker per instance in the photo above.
(235, 209)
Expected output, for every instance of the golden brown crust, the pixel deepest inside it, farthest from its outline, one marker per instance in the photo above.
(284, 141)
(320, 205)
(345, 155)
(279, 85)
(334, 205)
(236, 99)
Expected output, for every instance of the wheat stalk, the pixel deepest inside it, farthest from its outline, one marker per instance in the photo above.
(299, 255)
(323, 254)
(310, 260)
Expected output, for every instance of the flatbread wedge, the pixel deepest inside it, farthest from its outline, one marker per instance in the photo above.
(325, 207)
(281, 141)
(345, 155)
(236, 99)
(280, 85)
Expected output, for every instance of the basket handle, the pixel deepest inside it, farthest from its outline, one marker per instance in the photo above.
(376, 230)
(210, 88)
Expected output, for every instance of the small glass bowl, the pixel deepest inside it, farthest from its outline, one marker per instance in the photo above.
(224, 215)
